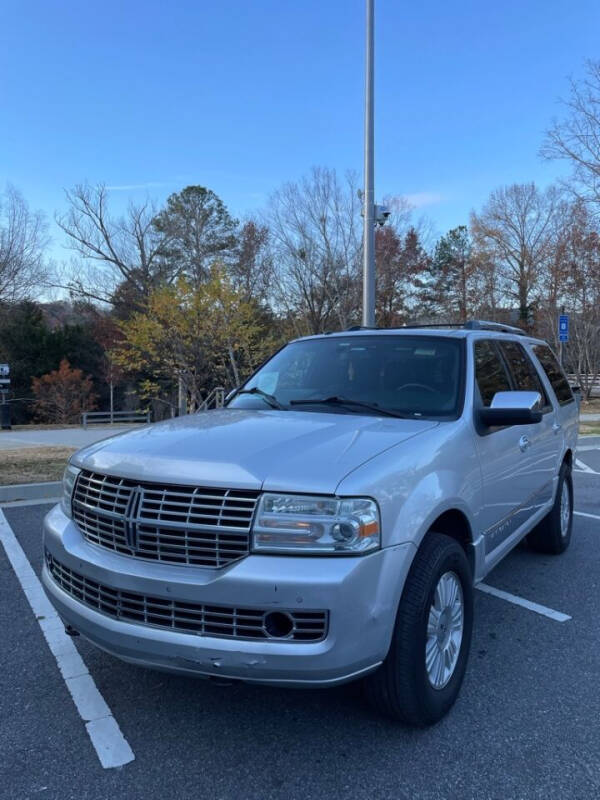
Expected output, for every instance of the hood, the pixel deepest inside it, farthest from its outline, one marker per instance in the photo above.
(299, 451)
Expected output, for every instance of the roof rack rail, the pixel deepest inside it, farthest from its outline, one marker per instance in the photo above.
(471, 325)
(483, 325)
(430, 325)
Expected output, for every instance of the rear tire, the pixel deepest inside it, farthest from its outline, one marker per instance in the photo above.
(553, 534)
(434, 621)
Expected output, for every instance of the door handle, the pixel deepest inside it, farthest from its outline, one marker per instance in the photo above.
(556, 427)
(524, 443)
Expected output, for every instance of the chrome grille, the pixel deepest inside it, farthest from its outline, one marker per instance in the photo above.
(177, 615)
(175, 524)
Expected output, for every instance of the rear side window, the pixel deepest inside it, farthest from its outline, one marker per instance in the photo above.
(554, 372)
(524, 374)
(490, 372)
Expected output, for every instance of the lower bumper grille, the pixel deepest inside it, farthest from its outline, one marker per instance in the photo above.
(200, 619)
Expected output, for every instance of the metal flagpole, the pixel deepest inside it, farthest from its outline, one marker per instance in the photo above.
(368, 319)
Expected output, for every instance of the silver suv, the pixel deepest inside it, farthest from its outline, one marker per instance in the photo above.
(329, 524)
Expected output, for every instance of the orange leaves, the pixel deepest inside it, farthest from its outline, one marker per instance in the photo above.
(61, 395)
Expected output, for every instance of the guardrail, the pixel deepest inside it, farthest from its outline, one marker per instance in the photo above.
(593, 384)
(110, 417)
(215, 399)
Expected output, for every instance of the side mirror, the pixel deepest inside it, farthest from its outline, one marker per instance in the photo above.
(512, 408)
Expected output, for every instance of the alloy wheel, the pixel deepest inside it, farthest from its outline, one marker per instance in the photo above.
(565, 510)
(444, 630)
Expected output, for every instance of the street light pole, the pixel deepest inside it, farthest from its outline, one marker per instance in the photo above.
(368, 319)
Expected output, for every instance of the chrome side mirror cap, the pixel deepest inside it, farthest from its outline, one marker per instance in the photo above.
(526, 401)
(512, 408)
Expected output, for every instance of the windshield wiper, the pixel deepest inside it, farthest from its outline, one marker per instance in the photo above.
(269, 399)
(347, 401)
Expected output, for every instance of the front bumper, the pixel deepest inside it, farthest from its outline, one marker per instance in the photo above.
(361, 595)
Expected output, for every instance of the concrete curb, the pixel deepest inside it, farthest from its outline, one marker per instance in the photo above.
(30, 491)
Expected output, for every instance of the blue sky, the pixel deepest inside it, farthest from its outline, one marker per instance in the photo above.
(242, 95)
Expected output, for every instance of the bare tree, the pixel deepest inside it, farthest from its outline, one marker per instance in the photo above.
(576, 138)
(315, 230)
(251, 267)
(554, 279)
(23, 239)
(516, 231)
(574, 285)
(124, 251)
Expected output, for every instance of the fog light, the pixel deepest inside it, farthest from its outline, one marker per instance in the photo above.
(278, 624)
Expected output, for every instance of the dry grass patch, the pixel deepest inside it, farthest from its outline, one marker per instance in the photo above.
(590, 406)
(44, 426)
(592, 428)
(33, 464)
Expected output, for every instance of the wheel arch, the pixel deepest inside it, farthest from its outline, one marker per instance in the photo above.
(454, 523)
(568, 458)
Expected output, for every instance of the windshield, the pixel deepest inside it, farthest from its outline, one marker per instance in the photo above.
(415, 376)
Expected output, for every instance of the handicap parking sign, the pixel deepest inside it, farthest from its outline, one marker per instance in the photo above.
(563, 328)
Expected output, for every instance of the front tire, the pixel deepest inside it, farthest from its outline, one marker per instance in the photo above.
(553, 534)
(421, 676)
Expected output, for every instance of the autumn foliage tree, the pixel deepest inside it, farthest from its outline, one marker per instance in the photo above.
(199, 335)
(400, 260)
(62, 395)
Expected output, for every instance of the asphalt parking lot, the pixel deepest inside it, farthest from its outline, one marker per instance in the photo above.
(527, 723)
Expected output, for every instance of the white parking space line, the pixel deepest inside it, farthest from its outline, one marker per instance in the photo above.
(557, 616)
(109, 743)
(583, 514)
(581, 467)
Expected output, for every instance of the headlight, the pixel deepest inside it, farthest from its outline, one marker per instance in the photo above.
(287, 523)
(68, 484)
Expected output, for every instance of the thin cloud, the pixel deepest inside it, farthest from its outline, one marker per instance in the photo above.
(422, 199)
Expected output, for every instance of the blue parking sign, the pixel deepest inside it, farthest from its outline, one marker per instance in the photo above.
(563, 328)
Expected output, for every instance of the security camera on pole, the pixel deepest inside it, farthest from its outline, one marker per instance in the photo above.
(372, 214)
(4, 389)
